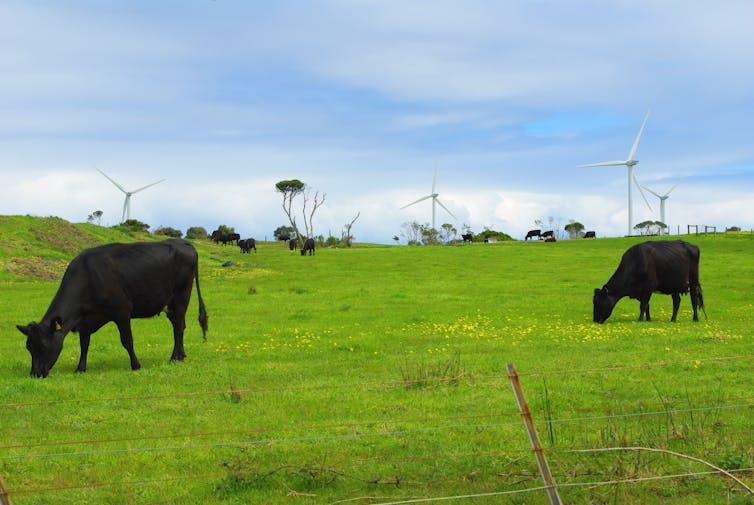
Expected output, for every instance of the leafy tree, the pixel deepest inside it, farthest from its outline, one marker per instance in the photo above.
(196, 232)
(650, 227)
(225, 229)
(448, 233)
(168, 232)
(95, 216)
(283, 233)
(574, 229)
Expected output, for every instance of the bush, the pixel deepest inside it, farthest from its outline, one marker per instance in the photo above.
(168, 232)
(196, 232)
(134, 225)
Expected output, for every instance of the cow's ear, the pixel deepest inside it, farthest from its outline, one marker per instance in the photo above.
(56, 324)
(23, 329)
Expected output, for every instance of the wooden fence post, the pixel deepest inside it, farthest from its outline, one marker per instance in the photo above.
(4, 496)
(523, 407)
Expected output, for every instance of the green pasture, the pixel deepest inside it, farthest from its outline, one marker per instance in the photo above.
(378, 375)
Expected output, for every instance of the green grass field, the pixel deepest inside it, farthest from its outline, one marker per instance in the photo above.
(378, 375)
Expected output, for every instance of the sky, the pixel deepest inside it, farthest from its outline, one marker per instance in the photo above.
(364, 100)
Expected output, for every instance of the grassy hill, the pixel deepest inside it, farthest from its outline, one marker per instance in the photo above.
(377, 374)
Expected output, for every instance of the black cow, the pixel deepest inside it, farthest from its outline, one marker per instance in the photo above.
(547, 234)
(668, 267)
(308, 246)
(231, 237)
(590, 234)
(247, 245)
(117, 282)
(292, 244)
(532, 234)
(467, 237)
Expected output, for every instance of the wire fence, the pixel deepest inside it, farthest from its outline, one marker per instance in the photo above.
(489, 422)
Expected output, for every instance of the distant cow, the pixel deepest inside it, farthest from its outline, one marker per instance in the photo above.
(590, 234)
(532, 234)
(547, 234)
(247, 245)
(308, 247)
(467, 237)
(231, 237)
(117, 282)
(668, 267)
(551, 239)
(292, 244)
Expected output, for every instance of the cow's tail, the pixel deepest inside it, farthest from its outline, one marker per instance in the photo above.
(202, 308)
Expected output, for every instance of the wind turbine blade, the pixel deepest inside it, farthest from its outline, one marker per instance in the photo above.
(638, 185)
(434, 180)
(667, 193)
(654, 193)
(147, 186)
(113, 181)
(417, 201)
(603, 164)
(636, 142)
(444, 207)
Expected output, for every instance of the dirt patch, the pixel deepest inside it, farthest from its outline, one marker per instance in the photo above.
(61, 234)
(41, 268)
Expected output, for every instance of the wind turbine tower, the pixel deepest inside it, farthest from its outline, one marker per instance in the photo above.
(629, 162)
(435, 202)
(127, 202)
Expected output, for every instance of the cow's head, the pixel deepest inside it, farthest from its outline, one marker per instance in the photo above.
(44, 342)
(603, 305)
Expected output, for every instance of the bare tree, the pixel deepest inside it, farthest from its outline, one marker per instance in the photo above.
(316, 203)
(346, 237)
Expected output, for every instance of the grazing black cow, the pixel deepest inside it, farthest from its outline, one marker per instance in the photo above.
(117, 282)
(467, 237)
(217, 236)
(292, 244)
(231, 237)
(247, 245)
(308, 246)
(547, 234)
(590, 234)
(532, 234)
(668, 267)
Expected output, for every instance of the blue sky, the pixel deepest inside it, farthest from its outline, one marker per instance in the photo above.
(363, 99)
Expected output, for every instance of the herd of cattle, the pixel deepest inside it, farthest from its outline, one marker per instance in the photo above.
(120, 282)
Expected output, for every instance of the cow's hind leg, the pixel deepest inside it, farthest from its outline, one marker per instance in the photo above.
(177, 316)
(676, 305)
(644, 310)
(127, 339)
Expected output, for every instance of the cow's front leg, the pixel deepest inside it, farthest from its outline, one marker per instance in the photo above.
(84, 337)
(127, 339)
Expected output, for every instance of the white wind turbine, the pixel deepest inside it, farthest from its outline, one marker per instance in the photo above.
(662, 200)
(629, 163)
(127, 201)
(435, 201)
